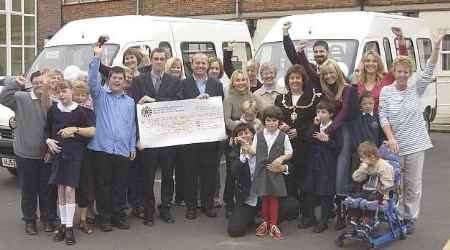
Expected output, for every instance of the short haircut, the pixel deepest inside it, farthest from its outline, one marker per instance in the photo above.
(273, 112)
(268, 66)
(321, 43)
(135, 52)
(212, 60)
(158, 50)
(249, 106)
(364, 95)
(252, 64)
(66, 84)
(296, 69)
(403, 60)
(81, 87)
(368, 149)
(242, 127)
(196, 56)
(327, 105)
(117, 70)
(35, 74)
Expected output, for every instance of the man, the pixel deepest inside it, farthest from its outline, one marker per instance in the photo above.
(156, 86)
(29, 146)
(320, 50)
(201, 158)
(114, 143)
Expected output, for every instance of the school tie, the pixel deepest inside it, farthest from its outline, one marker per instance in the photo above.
(157, 83)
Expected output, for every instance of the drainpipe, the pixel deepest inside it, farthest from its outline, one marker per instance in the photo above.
(361, 5)
(237, 8)
(137, 7)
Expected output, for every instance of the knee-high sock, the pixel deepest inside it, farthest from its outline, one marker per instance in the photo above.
(62, 214)
(70, 212)
(274, 205)
(265, 206)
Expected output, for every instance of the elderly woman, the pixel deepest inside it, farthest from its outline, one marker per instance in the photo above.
(267, 93)
(405, 128)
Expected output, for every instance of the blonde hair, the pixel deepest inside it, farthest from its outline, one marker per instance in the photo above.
(252, 64)
(80, 87)
(403, 60)
(234, 77)
(380, 67)
(368, 149)
(267, 67)
(249, 106)
(328, 65)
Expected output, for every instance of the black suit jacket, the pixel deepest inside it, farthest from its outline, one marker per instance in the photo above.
(143, 86)
(189, 88)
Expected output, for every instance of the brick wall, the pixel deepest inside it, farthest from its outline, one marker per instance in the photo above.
(48, 19)
(89, 10)
(401, 2)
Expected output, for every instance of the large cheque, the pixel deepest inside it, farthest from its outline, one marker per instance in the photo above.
(163, 124)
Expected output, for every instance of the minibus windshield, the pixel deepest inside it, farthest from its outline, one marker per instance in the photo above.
(60, 57)
(343, 51)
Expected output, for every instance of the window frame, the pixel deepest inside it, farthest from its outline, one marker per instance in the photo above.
(423, 62)
(445, 53)
(388, 51)
(409, 49)
(187, 61)
(248, 53)
(366, 45)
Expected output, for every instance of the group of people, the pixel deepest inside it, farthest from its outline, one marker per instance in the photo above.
(289, 149)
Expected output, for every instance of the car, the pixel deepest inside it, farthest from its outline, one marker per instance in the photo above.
(7, 157)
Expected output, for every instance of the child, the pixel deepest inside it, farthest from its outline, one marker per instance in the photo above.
(272, 149)
(68, 127)
(320, 180)
(376, 173)
(249, 110)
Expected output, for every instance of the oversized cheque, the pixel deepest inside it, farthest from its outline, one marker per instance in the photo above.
(181, 122)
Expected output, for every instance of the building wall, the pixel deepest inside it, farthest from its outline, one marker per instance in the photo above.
(98, 9)
(48, 19)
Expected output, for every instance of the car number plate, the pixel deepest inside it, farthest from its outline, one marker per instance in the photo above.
(9, 163)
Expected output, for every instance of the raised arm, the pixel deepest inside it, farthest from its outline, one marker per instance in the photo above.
(426, 76)
(94, 82)
(227, 64)
(288, 45)
(7, 95)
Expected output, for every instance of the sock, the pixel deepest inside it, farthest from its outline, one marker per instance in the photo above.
(62, 214)
(265, 209)
(274, 204)
(70, 210)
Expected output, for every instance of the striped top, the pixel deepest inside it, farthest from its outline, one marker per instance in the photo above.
(400, 109)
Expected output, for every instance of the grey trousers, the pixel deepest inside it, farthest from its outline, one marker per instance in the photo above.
(411, 184)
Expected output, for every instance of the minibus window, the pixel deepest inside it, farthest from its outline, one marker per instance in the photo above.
(387, 52)
(372, 46)
(446, 53)
(409, 49)
(188, 49)
(166, 46)
(242, 52)
(424, 49)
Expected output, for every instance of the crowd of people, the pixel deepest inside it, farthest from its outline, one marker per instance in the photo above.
(290, 148)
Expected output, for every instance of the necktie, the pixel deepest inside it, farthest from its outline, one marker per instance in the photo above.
(157, 83)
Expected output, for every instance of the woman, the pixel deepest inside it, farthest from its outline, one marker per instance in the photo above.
(215, 70)
(405, 128)
(132, 59)
(269, 90)
(239, 93)
(299, 109)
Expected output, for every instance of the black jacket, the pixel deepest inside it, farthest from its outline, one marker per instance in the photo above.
(189, 88)
(143, 86)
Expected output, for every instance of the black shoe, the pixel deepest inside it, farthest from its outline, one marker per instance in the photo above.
(49, 227)
(191, 214)
(138, 212)
(305, 223)
(148, 220)
(30, 228)
(340, 223)
(70, 237)
(210, 212)
(120, 223)
(166, 216)
(60, 233)
(410, 226)
(105, 227)
(319, 228)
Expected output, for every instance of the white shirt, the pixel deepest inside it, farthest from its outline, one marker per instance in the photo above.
(67, 109)
(295, 99)
(252, 198)
(270, 140)
(324, 127)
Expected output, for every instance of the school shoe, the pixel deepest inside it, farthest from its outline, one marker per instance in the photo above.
(165, 215)
(70, 236)
(60, 233)
(138, 212)
(319, 228)
(210, 212)
(191, 213)
(105, 227)
(340, 223)
(306, 223)
(49, 227)
(262, 229)
(275, 233)
(30, 228)
(120, 223)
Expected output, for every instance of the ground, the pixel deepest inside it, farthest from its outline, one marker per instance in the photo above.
(433, 229)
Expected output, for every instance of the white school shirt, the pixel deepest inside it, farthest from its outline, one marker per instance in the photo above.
(252, 198)
(270, 140)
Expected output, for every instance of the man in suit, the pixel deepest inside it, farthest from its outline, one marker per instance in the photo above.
(201, 158)
(154, 86)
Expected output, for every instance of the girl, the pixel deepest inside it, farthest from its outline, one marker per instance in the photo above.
(174, 66)
(321, 168)
(272, 149)
(68, 127)
(249, 111)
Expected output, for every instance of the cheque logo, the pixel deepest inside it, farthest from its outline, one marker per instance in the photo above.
(146, 112)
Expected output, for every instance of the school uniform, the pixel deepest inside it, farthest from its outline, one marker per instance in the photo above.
(201, 159)
(163, 87)
(320, 180)
(66, 165)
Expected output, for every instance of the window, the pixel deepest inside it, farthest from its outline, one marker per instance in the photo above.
(16, 61)
(188, 49)
(166, 46)
(387, 52)
(446, 53)
(2, 4)
(17, 5)
(29, 7)
(424, 49)
(16, 29)
(372, 46)
(409, 50)
(2, 29)
(242, 52)
(2, 61)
